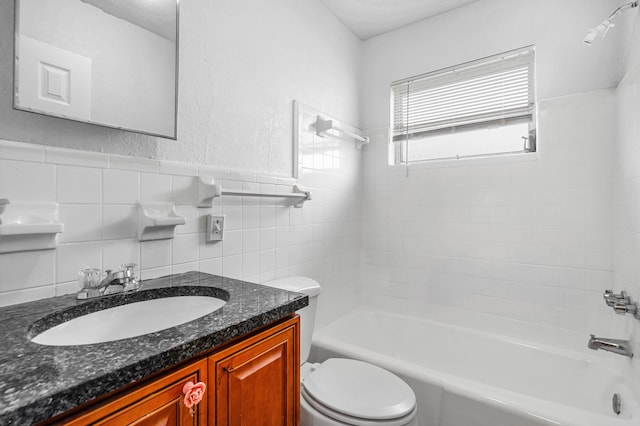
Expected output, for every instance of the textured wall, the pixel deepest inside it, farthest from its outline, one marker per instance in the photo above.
(242, 63)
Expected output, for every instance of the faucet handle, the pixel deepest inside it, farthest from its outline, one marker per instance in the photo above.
(620, 309)
(612, 299)
(626, 308)
(608, 297)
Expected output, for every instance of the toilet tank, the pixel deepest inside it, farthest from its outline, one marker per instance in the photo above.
(307, 314)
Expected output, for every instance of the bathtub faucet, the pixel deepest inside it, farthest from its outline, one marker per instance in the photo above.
(620, 347)
(621, 303)
(612, 299)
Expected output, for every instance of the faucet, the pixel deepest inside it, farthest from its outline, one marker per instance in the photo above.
(612, 299)
(113, 283)
(620, 347)
(621, 303)
(119, 281)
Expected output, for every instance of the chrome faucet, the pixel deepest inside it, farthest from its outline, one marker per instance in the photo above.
(620, 347)
(621, 303)
(122, 280)
(612, 299)
(113, 283)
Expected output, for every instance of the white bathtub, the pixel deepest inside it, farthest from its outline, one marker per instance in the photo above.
(464, 377)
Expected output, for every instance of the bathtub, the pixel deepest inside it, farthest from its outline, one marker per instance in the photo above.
(464, 377)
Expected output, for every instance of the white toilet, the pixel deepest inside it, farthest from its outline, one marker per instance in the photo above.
(345, 391)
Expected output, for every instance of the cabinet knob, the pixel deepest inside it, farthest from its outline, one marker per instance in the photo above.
(193, 394)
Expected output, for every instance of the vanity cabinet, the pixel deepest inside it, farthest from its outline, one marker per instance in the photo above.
(158, 403)
(252, 381)
(257, 381)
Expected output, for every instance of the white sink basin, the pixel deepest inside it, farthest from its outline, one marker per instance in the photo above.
(133, 319)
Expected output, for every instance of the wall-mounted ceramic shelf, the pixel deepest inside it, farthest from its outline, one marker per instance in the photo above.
(208, 190)
(157, 221)
(26, 226)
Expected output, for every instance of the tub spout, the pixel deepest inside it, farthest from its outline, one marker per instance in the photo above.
(620, 347)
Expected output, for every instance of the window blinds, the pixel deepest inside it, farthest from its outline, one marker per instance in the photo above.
(489, 92)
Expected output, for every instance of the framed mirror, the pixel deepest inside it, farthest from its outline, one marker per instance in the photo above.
(113, 63)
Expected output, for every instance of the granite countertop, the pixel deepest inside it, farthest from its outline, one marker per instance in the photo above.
(38, 382)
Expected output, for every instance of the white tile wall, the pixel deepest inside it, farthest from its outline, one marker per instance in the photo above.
(263, 238)
(79, 185)
(526, 242)
(22, 180)
(627, 197)
(522, 247)
(120, 187)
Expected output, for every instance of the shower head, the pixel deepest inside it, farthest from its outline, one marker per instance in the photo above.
(592, 34)
(602, 29)
(599, 31)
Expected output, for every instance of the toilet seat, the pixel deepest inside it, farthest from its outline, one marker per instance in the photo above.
(358, 393)
(335, 418)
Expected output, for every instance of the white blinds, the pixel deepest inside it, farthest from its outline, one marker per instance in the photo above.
(489, 92)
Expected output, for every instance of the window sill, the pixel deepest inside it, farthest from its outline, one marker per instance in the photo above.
(470, 161)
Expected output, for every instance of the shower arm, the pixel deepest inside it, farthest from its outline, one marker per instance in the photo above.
(622, 8)
(603, 28)
(609, 21)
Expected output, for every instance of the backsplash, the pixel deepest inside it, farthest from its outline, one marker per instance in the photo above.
(523, 246)
(263, 238)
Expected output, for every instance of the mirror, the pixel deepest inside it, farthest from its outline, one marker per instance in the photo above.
(108, 62)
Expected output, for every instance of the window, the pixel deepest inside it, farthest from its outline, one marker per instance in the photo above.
(480, 108)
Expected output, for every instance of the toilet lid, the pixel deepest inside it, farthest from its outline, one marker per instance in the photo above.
(359, 389)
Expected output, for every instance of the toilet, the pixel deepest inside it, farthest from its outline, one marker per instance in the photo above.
(342, 391)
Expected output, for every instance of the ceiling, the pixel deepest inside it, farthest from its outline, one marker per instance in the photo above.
(365, 18)
(159, 17)
(369, 18)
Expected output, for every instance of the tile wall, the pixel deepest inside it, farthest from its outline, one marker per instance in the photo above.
(263, 238)
(627, 194)
(523, 247)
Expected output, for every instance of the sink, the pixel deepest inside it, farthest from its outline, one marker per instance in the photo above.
(129, 320)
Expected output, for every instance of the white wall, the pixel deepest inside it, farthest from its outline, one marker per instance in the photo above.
(627, 183)
(241, 65)
(522, 247)
(264, 239)
(483, 28)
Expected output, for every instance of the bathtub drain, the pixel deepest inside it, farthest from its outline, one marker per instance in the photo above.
(616, 403)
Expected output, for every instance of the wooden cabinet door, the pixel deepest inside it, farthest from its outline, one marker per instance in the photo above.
(159, 403)
(257, 381)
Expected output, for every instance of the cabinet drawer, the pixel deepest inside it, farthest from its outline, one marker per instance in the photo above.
(159, 403)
